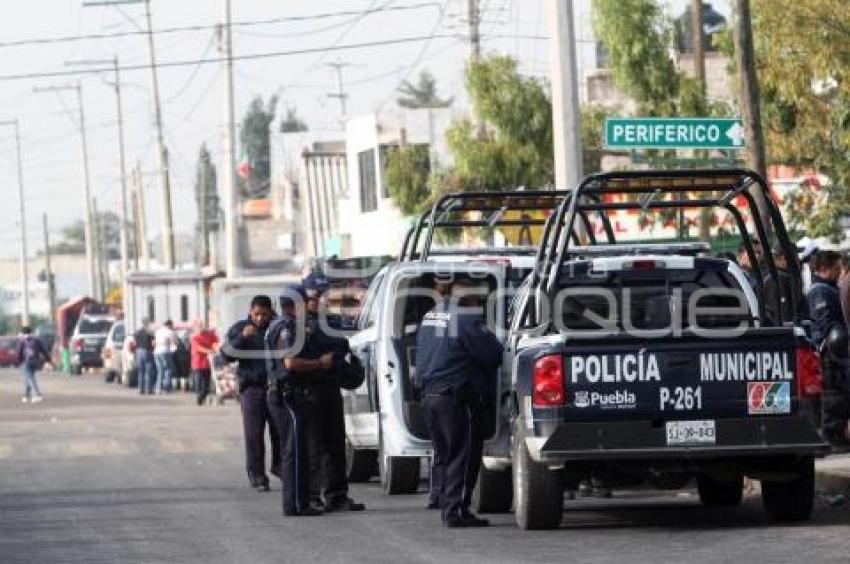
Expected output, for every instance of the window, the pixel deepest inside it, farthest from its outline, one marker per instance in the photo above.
(368, 181)
(184, 308)
(151, 310)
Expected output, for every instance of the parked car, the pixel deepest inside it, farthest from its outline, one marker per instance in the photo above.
(112, 353)
(88, 340)
(9, 351)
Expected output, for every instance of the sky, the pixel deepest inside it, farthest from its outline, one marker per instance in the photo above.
(191, 94)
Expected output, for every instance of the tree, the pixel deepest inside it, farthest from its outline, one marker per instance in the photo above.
(73, 239)
(254, 139)
(408, 170)
(802, 53)
(423, 94)
(206, 200)
(292, 123)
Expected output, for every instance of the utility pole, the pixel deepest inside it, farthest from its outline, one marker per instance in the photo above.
(25, 293)
(473, 20)
(340, 93)
(86, 183)
(98, 252)
(141, 224)
(161, 152)
(231, 213)
(750, 110)
(696, 43)
(121, 158)
(51, 283)
(162, 156)
(566, 116)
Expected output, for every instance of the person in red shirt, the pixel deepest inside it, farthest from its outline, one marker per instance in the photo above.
(204, 342)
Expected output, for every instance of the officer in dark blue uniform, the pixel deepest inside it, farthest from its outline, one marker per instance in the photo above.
(325, 424)
(245, 345)
(284, 341)
(825, 310)
(456, 361)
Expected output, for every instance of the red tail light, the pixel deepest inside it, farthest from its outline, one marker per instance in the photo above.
(549, 381)
(107, 352)
(809, 377)
(78, 345)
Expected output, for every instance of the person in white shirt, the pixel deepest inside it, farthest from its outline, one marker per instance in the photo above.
(165, 343)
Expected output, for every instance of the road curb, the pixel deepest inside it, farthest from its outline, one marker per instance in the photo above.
(832, 475)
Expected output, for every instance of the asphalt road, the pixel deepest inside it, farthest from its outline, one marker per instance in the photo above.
(98, 474)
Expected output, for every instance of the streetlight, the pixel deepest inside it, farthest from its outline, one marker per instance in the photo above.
(25, 299)
(94, 289)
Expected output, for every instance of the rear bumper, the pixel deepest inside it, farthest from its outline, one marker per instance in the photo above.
(637, 440)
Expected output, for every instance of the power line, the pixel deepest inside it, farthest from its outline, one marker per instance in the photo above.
(247, 23)
(252, 56)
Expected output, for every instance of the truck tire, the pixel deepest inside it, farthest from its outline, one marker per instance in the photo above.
(399, 474)
(538, 492)
(716, 493)
(791, 500)
(494, 492)
(360, 464)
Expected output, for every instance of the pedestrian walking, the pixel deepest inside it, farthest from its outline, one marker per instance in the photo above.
(245, 345)
(286, 403)
(825, 311)
(456, 360)
(203, 343)
(32, 357)
(325, 420)
(165, 343)
(145, 367)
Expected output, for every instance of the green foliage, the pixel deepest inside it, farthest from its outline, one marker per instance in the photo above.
(205, 175)
(292, 123)
(638, 37)
(592, 137)
(515, 148)
(803, 57)
(73, 238)
(407, 173)
(423, 94)
(254, 140)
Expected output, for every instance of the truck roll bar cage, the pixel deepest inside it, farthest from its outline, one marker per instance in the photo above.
(713, 188)
(492, 206)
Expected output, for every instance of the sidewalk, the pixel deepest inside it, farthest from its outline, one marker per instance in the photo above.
(832, 475)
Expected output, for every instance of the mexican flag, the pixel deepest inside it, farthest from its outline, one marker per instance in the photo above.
(243, 168)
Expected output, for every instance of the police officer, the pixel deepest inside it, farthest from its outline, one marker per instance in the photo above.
(245, 344)
(284, 342)
(825, 310)
(325, 425)
(456, 360)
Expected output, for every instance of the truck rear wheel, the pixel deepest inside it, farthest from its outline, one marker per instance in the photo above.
(360, 464)
(791, 500)
(717, 493)
(399, 474)
(538, 492)
(494, 491)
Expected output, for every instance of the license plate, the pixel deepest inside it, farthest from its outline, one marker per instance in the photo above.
(691, 432)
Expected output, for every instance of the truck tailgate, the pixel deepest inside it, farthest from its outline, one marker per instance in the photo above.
(753, 375)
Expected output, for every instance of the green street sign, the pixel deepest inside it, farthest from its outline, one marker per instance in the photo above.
(674, 133)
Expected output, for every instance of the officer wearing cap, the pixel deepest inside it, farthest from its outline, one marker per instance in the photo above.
(284, 342)
(325, 425)
(245, 345)
(456, 360)
(825, 310)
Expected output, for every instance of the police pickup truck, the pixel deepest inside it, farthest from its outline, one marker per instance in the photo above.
(656, 363)
(491, 237)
